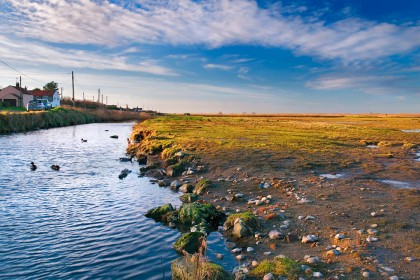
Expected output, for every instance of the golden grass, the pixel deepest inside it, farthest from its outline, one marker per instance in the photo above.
(310, 140)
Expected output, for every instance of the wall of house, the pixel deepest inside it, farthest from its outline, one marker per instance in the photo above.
(56, 99)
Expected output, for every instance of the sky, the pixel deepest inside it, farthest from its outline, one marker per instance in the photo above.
(212, 56)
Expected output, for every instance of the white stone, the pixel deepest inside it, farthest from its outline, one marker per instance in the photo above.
(310, 218)
(258, 202)
(219, 256)
(255, 263)
(269, 196)
(374, 225)
(339, 236)
(373, 214)
(317, 274)
(274, 234)
(237, 250)
(309, 238)
(263, 199)
(268, 276)
(394, 277)
(267, 253)
(249, 249)
(409, 259)
(240, 257)
(371, 239)
(312, 260)
(366, 274)
(372, 231)
(301, 217)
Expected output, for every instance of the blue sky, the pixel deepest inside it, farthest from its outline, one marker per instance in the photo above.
(210, 56)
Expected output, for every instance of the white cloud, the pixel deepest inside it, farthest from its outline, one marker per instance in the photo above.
(218, 66)
(208, 22)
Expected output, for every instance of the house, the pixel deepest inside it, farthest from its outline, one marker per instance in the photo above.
(51, 95)
(15, 96)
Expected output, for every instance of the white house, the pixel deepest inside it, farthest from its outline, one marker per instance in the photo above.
(52, 95)
(11, 96)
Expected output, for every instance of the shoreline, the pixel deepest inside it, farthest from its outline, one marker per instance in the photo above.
(365, 227)
(16, 122)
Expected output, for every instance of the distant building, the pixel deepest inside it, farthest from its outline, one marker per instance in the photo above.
(11, 96)
(52, 95)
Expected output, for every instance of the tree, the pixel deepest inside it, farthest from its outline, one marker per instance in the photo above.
(51, 85)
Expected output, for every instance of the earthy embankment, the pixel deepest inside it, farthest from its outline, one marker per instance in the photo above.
(26, 121)
(335, 196)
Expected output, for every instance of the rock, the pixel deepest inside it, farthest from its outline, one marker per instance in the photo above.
(188, 197)
(267, 253)
(243, 224)
(188, 269)
(163, 183)
(373, 214)
(158, 213)
(309, 238)
(339, 236)
(274, 234)
(236, 250)
(186, 188)
(194, 213)
(268, 276)
(189, 242)
(372, 239)
(124, 173)
(393, 277)
(175, 185)
(409, 259)
(180, 154)
(202, 186)
(310, 218)
(240, 229)
(312, 260)
(372, 231)
(219, 256)
(332, 253)
(250, 249)
(317, 274)
(254, 263)
(240, 257)
(366, 274)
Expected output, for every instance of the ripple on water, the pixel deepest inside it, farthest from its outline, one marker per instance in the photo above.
(82, 221)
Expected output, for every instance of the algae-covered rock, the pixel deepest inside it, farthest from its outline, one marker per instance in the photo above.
(242, 224)
(189, 242)
(176, 169)
(194, 213)
(160, 212)
(186, 188)
(202, 186)
(188, 197)
(193, 268)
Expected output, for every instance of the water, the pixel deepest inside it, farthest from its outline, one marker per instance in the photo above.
(81, 222)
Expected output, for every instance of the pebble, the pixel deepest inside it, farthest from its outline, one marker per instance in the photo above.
(333, 253)
(303, 201)
(317, 274)
(274, 234)
(366, 274)
(373, 214)
(268, 276)
(301, 217)
(267, 253)
(269, 196)
(409, 259)
(240, 257)
(360, 231)
(372, 239)
(393, 277)
(309, 238)
(249, 249)
(219, 256)
(258, 202)
(339, 236)
(309, 218)
(236, 250)
(312, 260)
(255, 263)
(374, 225)
(372, 231)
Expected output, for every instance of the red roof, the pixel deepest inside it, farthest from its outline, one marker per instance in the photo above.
(38, 92)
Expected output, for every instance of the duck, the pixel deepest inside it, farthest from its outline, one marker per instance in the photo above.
(33, 166)
(55, 167)
(84, 140)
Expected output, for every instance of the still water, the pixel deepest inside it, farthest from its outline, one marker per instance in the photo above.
(82, 222)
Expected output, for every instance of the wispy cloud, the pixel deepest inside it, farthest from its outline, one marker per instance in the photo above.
(242, 73)
(207, 22)
(41, 53)
(218, 66)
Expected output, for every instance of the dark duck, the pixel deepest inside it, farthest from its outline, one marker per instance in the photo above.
(55, 167)
(84, 140)
(33, 166)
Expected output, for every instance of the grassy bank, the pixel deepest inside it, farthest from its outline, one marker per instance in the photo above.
(300, 141)
(58, 117)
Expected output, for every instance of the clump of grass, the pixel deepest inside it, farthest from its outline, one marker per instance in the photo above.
(279, 267)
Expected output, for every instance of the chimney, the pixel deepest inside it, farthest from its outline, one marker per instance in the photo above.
(17, 84)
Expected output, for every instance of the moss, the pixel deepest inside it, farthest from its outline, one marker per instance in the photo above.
(249, 218)
(169, 152)
(197, 268)
(158, 213)
(194, 213)
(188, 197)
(189, 242)
(279, 267)
(202, 186)
(177, 169)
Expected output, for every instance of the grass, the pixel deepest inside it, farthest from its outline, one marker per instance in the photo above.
(59, 116)
(331, 142)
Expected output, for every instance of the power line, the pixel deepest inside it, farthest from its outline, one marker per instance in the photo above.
(23, 74)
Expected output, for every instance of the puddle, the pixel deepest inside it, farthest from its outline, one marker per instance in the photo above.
(372, 146)
(331, 176)
(411, 130)
(397, 184)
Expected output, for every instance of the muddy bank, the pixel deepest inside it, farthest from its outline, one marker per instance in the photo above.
(350, 224)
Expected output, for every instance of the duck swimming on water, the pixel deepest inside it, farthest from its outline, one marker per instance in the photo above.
(55, 167)
(33, 166)
(84, 140)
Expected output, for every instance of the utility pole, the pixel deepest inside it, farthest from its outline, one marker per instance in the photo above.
(99, 95)
(72, 83)
(106, 98)
(102, 99)
(83, 96)
(20, 91)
